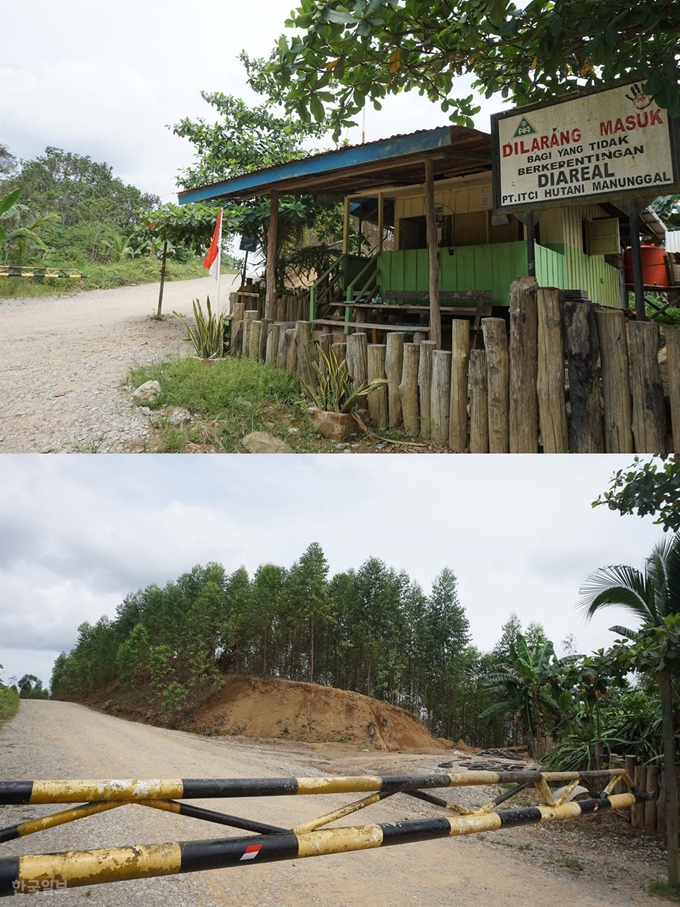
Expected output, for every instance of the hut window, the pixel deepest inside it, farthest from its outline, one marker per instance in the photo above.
(510, 232)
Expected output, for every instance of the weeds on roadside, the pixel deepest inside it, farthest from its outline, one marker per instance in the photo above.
(661, 889)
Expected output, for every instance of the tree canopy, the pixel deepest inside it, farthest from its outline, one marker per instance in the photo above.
(345, 52)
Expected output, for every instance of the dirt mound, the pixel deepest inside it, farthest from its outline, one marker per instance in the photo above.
(265, 708)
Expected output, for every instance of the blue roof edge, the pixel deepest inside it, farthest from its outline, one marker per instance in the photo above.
(397, 146)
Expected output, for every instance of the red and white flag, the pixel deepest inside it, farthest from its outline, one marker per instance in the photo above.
(212, 259)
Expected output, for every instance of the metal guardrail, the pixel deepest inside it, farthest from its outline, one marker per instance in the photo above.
(43, 872)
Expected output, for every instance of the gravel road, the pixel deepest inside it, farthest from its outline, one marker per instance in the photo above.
(64, 359)
(520, 867)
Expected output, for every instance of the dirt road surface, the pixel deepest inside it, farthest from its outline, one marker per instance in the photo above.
(523, 867)
(64, 359)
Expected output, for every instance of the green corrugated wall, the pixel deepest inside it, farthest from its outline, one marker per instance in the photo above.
(485, 267)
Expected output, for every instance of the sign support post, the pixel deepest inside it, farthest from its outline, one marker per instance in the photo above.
(636, 259)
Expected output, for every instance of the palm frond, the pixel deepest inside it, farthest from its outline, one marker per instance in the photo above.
(618, 586)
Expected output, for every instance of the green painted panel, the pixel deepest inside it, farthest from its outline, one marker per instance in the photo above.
(483, 267)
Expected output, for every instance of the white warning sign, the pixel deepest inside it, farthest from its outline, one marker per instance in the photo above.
(605, 144)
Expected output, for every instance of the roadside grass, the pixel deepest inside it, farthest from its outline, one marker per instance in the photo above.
(660, 889)
(9, 703)
(229, 398)
(102, 277)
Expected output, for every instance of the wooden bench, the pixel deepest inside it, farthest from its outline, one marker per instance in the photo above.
(361, 325)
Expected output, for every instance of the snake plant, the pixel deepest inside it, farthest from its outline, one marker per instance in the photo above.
(335, 393)
(207, 334)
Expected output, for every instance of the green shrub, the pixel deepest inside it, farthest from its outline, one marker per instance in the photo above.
(9, 702)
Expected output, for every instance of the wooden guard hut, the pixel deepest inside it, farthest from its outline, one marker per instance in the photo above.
(451, 255)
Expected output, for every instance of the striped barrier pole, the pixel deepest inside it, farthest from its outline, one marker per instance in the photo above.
(68, 870)
(20, 792)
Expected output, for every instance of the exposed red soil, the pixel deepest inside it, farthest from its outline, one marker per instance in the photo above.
(309, 713)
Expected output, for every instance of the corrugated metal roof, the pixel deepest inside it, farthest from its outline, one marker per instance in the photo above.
(673, 241)
(454, 149)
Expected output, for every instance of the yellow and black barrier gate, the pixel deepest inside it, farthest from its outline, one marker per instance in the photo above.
(41, 273)
(44, 872)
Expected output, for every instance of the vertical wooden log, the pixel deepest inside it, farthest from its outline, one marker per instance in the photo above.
(673, 361)
(265, 324)
(479, 408)
(649, 416)
(427, 347)
(523, 366)
(325, 343)
(340, 350)
(303, 336)
(249, 317)
(291, 350)
(272, 348)
(652, 787)
(599, 756)
(280, 313)
(440, 397)
(254, 344)
(433, 256)
(281, 352)
(394, 365)
(377, 401)
(629, 764)
(460, 356)
(637, 812)
(408, 389)
(357, 359)
(237, 329)
(611, 332)
(311, 351)
(498, 383)
(552, 407)
(272, 230)
(583, 351)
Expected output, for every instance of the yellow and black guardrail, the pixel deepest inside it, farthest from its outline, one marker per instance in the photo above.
(41, 273)
(42, 872)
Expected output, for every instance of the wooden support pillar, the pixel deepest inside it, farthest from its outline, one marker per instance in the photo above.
(636, 259)
(408, 388)
(531, 244)
(345, 227)
(381, 221)
(433, 250)
(272, 230)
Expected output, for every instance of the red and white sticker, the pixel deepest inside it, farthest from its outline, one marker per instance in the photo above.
(251, 852)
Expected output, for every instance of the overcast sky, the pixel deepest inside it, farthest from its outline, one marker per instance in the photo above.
(80, 532)
(105, 80)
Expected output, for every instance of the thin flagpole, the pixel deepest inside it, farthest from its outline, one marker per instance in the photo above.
(219, 264)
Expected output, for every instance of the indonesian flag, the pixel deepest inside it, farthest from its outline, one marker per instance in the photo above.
(212, 259)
